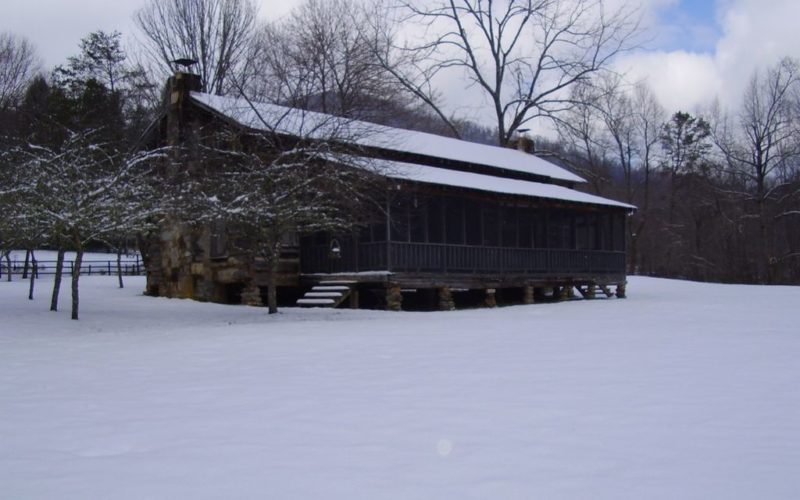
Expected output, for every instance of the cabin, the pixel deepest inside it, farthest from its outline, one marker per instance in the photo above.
(464, 224)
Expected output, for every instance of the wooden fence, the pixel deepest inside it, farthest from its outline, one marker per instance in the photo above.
(93, 267)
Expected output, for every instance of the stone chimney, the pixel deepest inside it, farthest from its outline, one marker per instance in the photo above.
(525, 143)
(176, 96)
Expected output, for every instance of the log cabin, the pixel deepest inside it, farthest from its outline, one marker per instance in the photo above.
(464, 224)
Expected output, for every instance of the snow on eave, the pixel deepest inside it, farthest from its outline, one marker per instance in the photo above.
(280, 119)
(442, 177)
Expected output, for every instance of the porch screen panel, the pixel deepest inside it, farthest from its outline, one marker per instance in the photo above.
(418, 221)
(509, 226)
(454, 221)
(491, 225)
(473, 228)
(526, 224)
(435, 221)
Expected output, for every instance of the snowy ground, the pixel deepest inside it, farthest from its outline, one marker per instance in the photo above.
(684, 390)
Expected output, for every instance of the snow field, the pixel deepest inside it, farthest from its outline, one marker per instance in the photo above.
(683, 390)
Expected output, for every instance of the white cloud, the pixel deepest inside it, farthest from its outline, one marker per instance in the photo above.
(681, 80)
(755, 34)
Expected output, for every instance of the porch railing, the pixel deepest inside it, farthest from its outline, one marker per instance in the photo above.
(442, 258)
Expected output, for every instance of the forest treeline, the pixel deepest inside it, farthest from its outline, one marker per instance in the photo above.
(717, 190)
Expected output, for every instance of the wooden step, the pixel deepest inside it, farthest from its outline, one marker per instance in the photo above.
(316, 302)
(330, 288)
(325, 295)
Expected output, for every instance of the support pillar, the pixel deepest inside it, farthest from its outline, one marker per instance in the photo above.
(620, 292)
(251, 296)
(528, 295)
(354, 298)
(446, 302)
(563, 292)
(394, 298)
(590, 290)
(491, 299)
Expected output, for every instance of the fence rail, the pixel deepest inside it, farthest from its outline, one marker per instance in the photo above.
(92, 267)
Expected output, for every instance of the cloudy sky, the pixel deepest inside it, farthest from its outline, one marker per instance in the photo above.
(696, 50)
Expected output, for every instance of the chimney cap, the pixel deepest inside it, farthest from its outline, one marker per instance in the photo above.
(184, 61)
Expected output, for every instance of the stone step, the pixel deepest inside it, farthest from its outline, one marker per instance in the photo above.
(315, 302)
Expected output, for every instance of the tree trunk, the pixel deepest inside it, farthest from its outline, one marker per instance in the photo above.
(119, 268)
(57, 279)
(34, 270)
(272, 292)
(27, 263)
(8, 266)
(76, 274)
(271, 254)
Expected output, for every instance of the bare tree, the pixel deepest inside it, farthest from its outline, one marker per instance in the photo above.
(215, 33)
(320, 58)
(582, 130)
(81, 191)
(523, 55)
(18, 64)
(648, 117)
(762, 146)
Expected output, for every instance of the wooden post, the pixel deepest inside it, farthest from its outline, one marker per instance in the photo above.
(491, 300)
(394, 298)
(446, 299)
(590, 290)
(26, 266)
(528, 295)
(563, 292)
(620, 292)
(33, 279)
(354, 298)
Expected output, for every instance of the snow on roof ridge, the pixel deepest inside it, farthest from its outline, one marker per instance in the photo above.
(384, 137)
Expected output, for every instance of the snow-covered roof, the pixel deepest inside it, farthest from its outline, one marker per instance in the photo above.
(443, 177)
(264, 116)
